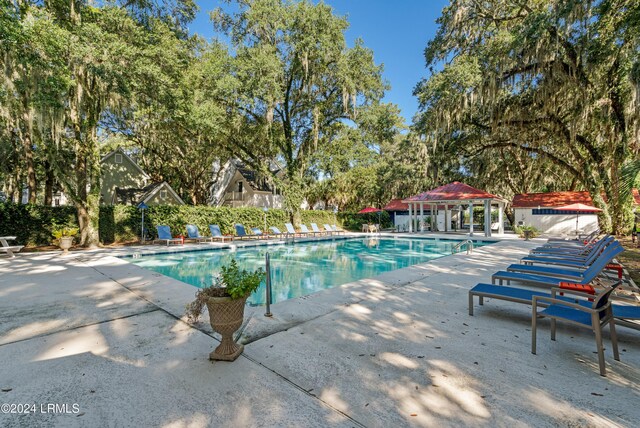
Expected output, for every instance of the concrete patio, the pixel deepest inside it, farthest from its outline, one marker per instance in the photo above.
(95, 331)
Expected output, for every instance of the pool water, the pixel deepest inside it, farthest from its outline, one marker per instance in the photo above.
(303, 268)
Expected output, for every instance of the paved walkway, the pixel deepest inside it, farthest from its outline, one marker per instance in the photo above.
(104, 340)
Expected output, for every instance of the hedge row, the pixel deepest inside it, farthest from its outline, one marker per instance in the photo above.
(31, 224)
(354, 221)
(121, 223)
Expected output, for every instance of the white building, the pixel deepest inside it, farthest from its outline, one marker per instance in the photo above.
(540, 211)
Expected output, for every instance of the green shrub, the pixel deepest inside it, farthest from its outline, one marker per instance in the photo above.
(122, 223)
(32, 224)
(354, 221)
(531, 230)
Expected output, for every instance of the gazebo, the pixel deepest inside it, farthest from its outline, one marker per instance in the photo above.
(452, 196)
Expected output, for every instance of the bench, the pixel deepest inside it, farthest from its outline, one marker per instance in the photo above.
(9, 249)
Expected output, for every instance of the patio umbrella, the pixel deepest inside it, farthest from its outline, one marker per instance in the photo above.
(371, 210)
(578, 208)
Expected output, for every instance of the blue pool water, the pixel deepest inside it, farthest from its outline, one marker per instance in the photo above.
(303, 268)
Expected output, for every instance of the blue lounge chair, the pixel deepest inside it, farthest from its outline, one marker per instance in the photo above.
(580, 240)
(595, 317)
(626, 312)
(194, 233)
(575, 250)
(292, 231)
(164, 234)
(258, 233)
(554, 281)
(216, 233)
(569, 260)
(504, 292)
(575, 271)
(242, 233)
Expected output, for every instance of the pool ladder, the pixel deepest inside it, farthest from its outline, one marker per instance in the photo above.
(459, 245)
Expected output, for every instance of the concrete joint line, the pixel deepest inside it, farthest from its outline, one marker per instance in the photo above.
(295, 385)
(80, 326)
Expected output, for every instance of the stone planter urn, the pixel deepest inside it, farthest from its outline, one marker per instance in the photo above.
(527, 235)
(65, 243)
(226, 316)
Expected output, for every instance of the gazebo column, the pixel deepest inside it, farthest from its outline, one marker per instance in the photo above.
(471, 219)
(421, 216)
(434, 218)
(410, 229)
(487, 217)
(446, 218)
(500, 218)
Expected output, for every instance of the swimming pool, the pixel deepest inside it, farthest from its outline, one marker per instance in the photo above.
(303, 268)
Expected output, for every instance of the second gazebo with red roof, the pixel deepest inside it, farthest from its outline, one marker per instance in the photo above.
(454, 195)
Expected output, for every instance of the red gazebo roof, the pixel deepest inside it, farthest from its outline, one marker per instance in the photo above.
(455, 191)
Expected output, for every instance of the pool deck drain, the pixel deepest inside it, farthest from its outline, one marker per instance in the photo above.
(396, 350)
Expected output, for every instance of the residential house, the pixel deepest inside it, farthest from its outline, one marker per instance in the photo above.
(237, 185)
(124, 182)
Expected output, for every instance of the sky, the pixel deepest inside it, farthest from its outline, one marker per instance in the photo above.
(396, 30)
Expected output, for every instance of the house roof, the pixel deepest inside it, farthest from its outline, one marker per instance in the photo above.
(550, 199)
(396, 205)
(147, 196)
(134, 196)
(455, 191)
(119, 150)
(557, 199)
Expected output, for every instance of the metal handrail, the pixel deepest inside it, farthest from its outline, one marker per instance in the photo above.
(268, 296)
(469, 243)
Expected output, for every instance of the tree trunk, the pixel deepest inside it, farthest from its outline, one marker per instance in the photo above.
(88, 222)
(27, 143)
(48, 185)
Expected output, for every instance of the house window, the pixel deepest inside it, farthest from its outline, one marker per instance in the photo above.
(239, 186)
(56, 202)
(163, 194)
(118, 158)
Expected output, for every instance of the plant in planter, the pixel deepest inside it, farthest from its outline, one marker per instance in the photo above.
(64, 236)
(527, 232)
(225, 300)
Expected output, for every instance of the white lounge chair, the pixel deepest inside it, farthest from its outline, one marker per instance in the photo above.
(9, 249)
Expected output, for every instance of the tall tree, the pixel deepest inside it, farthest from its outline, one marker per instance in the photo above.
(294, 78)
(552, 80)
